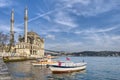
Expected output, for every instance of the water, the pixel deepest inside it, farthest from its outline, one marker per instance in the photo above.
(98, 68)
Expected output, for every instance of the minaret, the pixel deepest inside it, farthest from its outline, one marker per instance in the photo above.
(25, 23)
(12, 28)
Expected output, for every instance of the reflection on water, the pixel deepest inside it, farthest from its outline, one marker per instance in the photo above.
(20, 70)
(40, 73)
(67, 76)
(26, 71)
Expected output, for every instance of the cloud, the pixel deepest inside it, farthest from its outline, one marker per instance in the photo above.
(64, 19)
(50, 30)
(6, 28)
(104, 40)
(100, 39)
(101, 42)
(115, 37)
(49, 36)
(64, 46)
(5, 3)
(91, 7)
(37, 17)
(93, 39)
(93, 30)
(71, 3)
(47, 18)
(44, 15)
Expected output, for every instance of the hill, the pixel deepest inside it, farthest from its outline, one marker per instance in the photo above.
(85, 53)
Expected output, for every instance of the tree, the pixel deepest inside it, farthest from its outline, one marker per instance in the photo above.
(4, 38)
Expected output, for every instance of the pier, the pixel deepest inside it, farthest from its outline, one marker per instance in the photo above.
(4, 72)
(14, 57)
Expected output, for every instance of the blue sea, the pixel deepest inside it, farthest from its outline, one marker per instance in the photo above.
(98, 68)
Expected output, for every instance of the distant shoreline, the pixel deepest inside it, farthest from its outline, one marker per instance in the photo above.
(89, 53)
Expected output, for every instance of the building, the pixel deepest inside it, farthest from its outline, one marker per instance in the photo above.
(33, 47)
(31, 44)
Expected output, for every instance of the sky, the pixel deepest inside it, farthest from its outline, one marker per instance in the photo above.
(67, 25)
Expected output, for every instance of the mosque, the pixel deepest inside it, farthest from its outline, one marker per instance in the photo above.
(30, 44)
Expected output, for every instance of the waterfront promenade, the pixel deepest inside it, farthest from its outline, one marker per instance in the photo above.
(4, 72)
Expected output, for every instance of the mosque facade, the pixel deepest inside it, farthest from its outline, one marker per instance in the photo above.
(30, 44)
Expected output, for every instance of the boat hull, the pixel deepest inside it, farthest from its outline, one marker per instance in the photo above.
(67, 69)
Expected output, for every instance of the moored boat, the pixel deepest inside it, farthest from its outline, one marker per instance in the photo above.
(44, 62)
(64, 67)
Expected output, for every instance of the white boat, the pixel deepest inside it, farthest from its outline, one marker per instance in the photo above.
(64, 67)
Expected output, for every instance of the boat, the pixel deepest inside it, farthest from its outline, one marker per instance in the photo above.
(44, 62)
(71, 67)
(64, 67)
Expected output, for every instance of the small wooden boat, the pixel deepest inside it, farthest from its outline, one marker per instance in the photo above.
(64, 67)
(44, 62)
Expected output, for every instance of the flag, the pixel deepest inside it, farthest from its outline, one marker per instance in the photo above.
(67, 58)
(59, 63)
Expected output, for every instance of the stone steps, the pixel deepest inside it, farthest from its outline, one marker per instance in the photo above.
(4, 73)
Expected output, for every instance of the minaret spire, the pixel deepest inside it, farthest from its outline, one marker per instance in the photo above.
(12, 28)
(25, 23)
